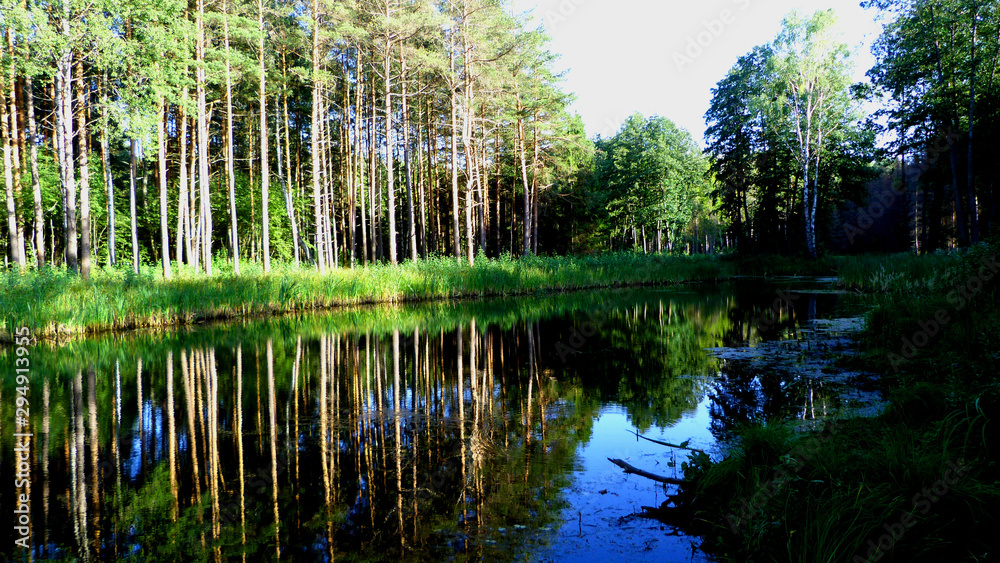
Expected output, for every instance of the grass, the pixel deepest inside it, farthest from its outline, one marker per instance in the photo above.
(847, 490)
(54, 302)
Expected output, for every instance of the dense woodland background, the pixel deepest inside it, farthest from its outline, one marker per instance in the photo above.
(334, 134)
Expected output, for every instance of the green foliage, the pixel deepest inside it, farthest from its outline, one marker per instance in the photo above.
(785, 113)
(652, 176)
(840, 489)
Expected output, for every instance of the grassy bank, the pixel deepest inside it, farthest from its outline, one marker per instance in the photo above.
(54, 302)
(920, 482)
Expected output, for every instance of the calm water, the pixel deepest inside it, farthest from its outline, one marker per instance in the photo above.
(439, 432)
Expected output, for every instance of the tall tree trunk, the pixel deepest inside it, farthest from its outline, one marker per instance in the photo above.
(36, 187)
(15, 155)
(314, 140)
(264, 168)
(109, 186)
(183, 237)
(288, 174)
(203, 146)
(230, 159)
(83, 99)
(359, 165)
(422, 182)
(468, 116)
(522, 153)
(535, 188)
(132, 206)
(390, 145)
(456, 235)
(12, 164)
(347, 171)
(971, 179)
(8, 171)
(289, 209)
(193, 218)
(406, 160)
(64, 120)
(373, 179)
(161, 142)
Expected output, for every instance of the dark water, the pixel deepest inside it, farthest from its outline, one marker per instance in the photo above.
(469, 431)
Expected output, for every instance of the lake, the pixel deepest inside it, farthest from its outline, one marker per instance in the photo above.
(446, 431)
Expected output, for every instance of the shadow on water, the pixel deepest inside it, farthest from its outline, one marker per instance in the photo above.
(476, 430)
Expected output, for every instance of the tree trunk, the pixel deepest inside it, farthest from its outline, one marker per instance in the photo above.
(522, 153)
(230, 159)
(9, 185)
(360, 172)
(15, 158)
(314, 140)
(64, 120)
(203, 146)
(161, 142)
(132, 206)
(264, 168)
(406, 160)
(109, 187)
(288, 174)
(289, 209)
(36, 188)
(193, 246)
(457, 248)
(390, 145)
(422, 182)
(971, 180)
(83, 98)
(182, 181)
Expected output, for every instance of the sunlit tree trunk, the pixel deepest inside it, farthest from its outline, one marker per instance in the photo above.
(230, 159)
(203, 146)
(314, 139)
(406, 159)
(64, 124)
(161, 142)
(456, 235)
(36, 188)
(12, 157)
(265, 175)
(133, 147)
(390, 144)
(83, 99)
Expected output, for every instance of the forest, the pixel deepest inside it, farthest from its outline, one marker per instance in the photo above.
(193, 135)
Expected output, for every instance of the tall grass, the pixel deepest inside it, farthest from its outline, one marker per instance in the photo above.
(944, 404)
(840, 498)
(54, 302)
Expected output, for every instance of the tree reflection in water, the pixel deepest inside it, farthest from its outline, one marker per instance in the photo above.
(454, 432)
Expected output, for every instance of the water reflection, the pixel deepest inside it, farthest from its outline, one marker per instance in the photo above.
(460, 433)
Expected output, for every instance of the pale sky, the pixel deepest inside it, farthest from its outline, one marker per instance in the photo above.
(664, 57)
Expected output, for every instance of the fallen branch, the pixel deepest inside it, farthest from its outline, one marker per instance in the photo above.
(635, 470)
(681, 446)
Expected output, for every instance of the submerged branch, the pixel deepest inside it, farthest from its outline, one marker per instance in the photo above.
(631, 469)
(681, 446)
